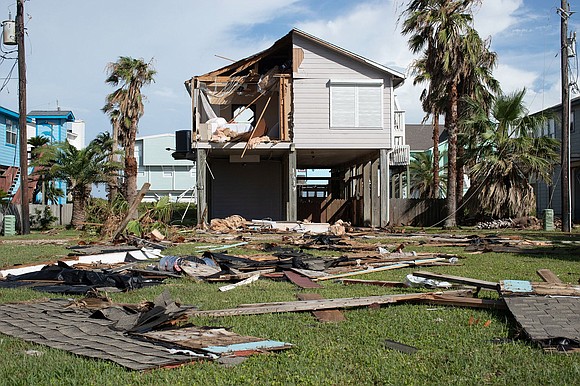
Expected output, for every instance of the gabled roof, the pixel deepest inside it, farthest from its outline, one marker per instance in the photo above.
(53, 114)
(419, 137)
(285, 43)
(12, 114)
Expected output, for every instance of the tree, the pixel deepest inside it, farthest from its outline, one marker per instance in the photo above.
(422, 175)
(42, 183)
(131, 75)
(509, 157)
(109, 144)
(439, 29)
(79, 168)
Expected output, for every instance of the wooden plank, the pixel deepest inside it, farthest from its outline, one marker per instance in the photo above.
(308, 305)
(458, 279)
(549, 276)
(462, 301)
(380, 283)
(132, 209)
(383, 268)
(325, 316)
(301, 281)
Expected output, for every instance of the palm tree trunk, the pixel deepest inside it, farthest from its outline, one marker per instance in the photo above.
(460, 180)
(435, 188)
(451, 124)
(113, 183)
(130, 165)
(80, 197)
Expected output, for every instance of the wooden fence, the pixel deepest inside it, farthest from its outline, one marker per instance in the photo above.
(63, 213)
(417, 212)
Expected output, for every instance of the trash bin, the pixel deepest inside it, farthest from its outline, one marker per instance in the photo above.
(548, 219)
(9, 225)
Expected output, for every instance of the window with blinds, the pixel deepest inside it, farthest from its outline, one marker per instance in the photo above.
(356, 104)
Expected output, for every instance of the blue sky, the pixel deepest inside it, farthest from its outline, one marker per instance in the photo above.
(70, 42)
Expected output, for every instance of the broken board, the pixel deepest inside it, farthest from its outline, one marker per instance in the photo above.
(324, 316)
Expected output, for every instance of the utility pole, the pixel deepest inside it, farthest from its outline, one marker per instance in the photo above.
(566, 202)
(25, 211)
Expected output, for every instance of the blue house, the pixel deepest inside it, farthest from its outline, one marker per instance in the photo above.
(9, 151)
(54, 125)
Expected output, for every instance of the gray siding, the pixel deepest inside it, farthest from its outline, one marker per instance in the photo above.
(312, 101)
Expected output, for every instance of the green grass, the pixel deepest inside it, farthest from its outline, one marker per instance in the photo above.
(451, 352)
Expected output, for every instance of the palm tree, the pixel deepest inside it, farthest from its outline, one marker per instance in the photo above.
(477, 84)
(37, 144)
(438, 28)
(509, 157)
(80, 169)
(109, 144)
(422, 175)
(131, 75)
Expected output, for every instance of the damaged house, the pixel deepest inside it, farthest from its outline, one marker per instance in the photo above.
(302, 104)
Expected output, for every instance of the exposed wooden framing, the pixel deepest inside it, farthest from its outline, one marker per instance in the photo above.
(307, 305)
(285, 99)
(224, 79)
(297, 58)
(201, 175)
(256, 125)
(549, 276)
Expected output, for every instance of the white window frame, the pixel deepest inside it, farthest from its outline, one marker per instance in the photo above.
(11, 132)
(357, 86)
(167, 171)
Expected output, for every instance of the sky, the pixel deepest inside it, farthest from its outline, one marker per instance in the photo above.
(70, 42)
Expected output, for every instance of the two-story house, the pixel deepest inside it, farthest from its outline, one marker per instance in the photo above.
(303, 103)
(167, 176)
(550, 196)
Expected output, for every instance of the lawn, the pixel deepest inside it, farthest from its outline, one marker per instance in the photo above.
(450, 350)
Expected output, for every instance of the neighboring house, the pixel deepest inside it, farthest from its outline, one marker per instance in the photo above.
(420, 140)
(59, 126)
(303, 103)
(550, 196)
(9, 151)
(167, 176)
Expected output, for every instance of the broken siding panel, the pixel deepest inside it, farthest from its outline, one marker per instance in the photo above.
(312, 101)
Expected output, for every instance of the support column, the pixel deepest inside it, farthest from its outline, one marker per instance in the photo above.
(375, 194)
(367, 202)
(292, 204)
(385, 186)
(201, 175)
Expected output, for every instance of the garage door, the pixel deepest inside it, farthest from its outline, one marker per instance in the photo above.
(252, 190)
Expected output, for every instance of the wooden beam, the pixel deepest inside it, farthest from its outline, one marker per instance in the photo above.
(462, 301)
(549, 276)
(458, 279)
(383, 268)
(325, 316)
(307, 305)
(132, 210)
(201, 183)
